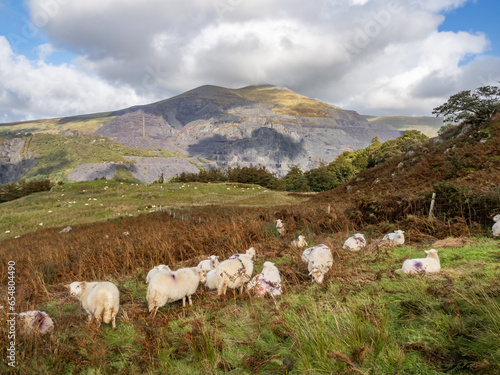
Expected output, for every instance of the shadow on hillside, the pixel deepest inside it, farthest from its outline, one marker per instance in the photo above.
(264, 142)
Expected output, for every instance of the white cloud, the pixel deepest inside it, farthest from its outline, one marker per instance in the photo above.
(39, 90)
(368, 55)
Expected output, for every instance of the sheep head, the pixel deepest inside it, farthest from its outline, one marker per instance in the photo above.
(432, 253)
(399, 231)
(77, 288)
(496, 218)
(251, 253)
(202, 274)
(267, 265)
(317, 275)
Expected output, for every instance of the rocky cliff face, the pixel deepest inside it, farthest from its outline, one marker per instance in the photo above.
(253, 126)
(12, 162)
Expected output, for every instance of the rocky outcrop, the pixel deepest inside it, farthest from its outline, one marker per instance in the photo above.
(13, 163)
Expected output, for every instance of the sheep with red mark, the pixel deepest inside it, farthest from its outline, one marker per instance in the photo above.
(268, 282)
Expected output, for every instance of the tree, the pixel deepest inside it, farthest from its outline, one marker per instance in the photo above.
(472, 107)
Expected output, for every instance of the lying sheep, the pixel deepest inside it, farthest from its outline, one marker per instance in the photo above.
(235, 272)
(300, 242)
(35, 322)
(430, 264)
(165, 287)
(266, 282)
(155, 270)
(396, 238)
(496, 227)
(319, 260)
(101, 300)
(355, 243)
(209, 264)
(280, 227)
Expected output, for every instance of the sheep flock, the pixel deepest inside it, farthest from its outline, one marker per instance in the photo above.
(100, 300)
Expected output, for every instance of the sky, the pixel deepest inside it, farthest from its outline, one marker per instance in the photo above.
(379, 57)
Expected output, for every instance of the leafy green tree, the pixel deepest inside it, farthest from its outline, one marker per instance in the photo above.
(472, 107)
(321, 179)
(295, 180)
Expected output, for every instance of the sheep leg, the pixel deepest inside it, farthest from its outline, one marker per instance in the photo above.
(190, 301)
(183, 301)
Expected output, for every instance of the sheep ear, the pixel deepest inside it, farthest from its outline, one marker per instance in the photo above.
(67, 286)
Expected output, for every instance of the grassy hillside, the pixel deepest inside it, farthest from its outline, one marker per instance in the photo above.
(93, 201)
(85, 124)
(57, 155)
(366, 318)
(286, 101)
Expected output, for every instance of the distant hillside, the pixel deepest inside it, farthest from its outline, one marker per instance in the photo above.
(461, 166)
(427, 125)
(211, 126)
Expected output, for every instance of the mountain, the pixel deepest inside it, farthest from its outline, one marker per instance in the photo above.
(427, 125)
(209, 126)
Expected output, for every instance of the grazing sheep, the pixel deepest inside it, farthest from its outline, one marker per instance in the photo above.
(211, 282)
(496, 227)
(430, 264)
(101, 300)
(300, 242)
(280, 227)
(209, 264)
(35, 322)
(235, 272)
(319, 260)
(165, 287)
(355, 243)
(155, 270)
(266, 282)
(396, 238)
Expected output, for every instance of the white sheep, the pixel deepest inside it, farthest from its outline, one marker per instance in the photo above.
(155, 270)
(300, 242)
(235, 272)
(211, 282)
(266, 282)
(319, 260)
(165, 287)
(35, 322)
(355, 243)
(101, 300)
(496, 227)
(209, 264)
(430, 264)
(280, 227)
(396, 238)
